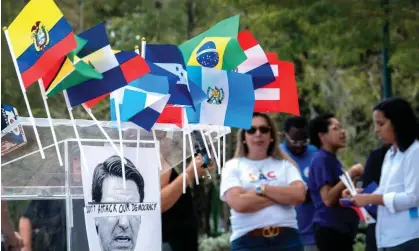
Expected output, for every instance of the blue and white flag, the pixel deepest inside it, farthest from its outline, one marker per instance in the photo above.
(147, 93)
(230, 98)
(170, 58)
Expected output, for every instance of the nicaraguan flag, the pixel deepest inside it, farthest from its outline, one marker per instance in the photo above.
(170, 58)
(230, 98)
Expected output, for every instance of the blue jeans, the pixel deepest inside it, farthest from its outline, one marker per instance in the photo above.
(287, 240)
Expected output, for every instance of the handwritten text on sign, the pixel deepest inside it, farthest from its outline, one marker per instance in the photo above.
(117, 209)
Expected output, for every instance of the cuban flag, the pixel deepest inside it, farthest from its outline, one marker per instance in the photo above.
(230, 98)
(257, 64)
(169, 58)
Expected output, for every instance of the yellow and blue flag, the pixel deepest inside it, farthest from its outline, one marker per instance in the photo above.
(39, 37)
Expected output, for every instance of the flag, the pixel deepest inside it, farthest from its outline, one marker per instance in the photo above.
(256, 64)
(117, 71)
(217, 47)
(171, 115)
(69, 72)
(230, 98)
(267, 98)
(149, 115)
(39, 37)
(289, 94)
(136, 96)
(170, 58)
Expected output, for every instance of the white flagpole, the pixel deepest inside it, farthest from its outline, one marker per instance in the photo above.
(138, 146)
(186, 127)
(89, 111)
(143, 45)
(121, 146)
(70, 111)
(28, 107)
(184, 160)
(205, 143)
(219, 147)
(157, 150)
(224, 146)
(214, 152)
(54, 137)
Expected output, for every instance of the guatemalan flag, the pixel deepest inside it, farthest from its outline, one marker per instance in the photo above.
(230, 98)
(170, 58)
(257, 64)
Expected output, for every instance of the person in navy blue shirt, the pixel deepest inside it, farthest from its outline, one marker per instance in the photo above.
(296, 145)
(335, 226)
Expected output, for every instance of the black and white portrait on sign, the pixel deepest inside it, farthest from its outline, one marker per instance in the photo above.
(119, 218)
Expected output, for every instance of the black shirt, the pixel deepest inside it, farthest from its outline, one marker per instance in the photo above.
(179, 222)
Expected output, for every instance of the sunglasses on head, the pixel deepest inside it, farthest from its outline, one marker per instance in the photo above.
(262, 129)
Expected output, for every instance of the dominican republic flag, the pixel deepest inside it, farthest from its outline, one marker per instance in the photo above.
(267, 98)
(230, 98)
(257, 64)
(116, 73)
(170, 58)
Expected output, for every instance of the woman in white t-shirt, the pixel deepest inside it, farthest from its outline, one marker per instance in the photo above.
(262, 185)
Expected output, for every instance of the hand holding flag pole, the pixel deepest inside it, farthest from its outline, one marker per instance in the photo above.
(25, 97)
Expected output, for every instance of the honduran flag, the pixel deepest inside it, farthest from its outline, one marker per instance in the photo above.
(169, 58)
(230, 98)
(257, 64)
(39, 37)
(117, 72)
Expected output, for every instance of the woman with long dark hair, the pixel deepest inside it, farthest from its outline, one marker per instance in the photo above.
(397, 196)
(262, 185)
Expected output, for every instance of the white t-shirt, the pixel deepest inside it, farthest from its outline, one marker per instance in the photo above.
(248, 174)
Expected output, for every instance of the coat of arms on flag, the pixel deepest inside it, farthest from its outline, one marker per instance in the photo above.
(215, 95)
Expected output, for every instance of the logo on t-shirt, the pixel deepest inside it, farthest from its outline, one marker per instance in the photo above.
(306, 171)
(261, 176)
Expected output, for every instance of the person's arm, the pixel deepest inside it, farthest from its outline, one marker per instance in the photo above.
(11, 238)
(396, 202)
(243, 201)
(25, 229)
(171, 192)
(331, 194)
(293, 194)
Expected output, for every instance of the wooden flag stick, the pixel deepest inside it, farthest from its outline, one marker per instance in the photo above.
(121, 146)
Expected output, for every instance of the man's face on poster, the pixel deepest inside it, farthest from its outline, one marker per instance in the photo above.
(119, 232)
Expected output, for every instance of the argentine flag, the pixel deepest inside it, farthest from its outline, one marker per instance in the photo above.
(230, 98)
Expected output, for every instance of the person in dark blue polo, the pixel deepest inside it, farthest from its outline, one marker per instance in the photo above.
(335, 226)
(296, 145)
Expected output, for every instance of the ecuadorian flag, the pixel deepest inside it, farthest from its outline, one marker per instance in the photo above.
(39, 37)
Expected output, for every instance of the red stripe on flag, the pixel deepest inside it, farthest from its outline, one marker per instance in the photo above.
(52, 73)
(246, 40)
(96, 100)
(289, 93)
(270, 105)
(134, 68)
(48, 60)
(171, 115)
